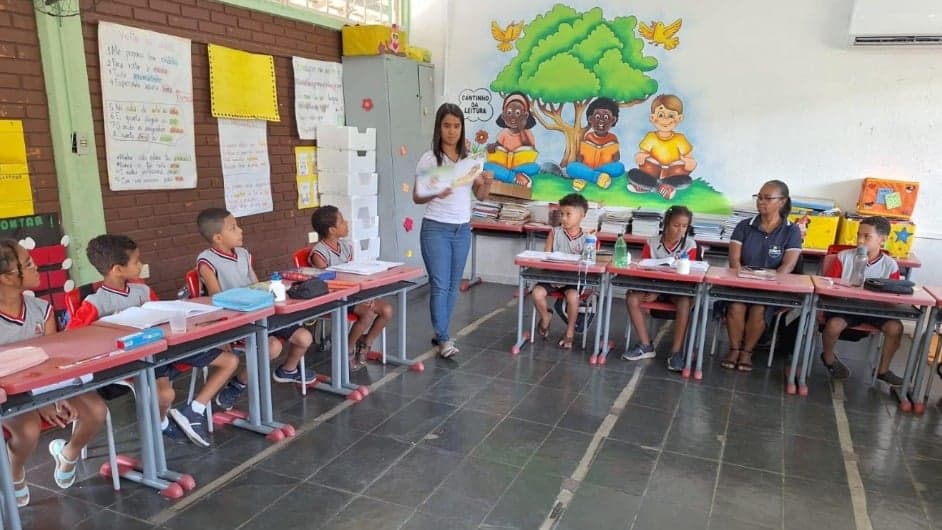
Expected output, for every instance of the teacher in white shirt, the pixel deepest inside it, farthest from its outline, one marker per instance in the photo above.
(446, 226)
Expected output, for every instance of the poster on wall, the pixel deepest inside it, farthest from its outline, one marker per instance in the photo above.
(242, 84)
(318, 95)
(147, 106)
(306, 176)
(246, 174)
(14, 172)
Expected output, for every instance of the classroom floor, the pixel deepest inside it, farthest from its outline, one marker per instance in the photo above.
(488, 440)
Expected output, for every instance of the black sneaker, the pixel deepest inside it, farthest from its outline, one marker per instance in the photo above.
(837, 369)
(227, 397)
(174, 433)
(676, 362)
(890, 378)
(192, 424)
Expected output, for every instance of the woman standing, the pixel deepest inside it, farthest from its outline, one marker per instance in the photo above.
(446, 227)
(769, 241)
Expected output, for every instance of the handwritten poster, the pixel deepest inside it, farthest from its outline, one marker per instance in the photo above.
(14, 173)
(147, 97)
(242, 84)
(306, 177)
(246, 174)
(318, 95)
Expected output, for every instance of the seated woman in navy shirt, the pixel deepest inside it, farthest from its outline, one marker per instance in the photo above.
(768, 241)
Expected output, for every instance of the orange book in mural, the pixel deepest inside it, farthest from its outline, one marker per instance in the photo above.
(597, 155)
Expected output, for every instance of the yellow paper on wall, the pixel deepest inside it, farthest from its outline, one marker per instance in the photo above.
(306, 177)
(14, 173)
(242, 84)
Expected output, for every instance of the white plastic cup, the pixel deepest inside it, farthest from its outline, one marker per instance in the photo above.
(683, 266)
(178, 322)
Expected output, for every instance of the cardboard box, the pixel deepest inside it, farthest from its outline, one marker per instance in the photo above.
(889, 198)
(898, 244)
(818, 231)
(504, 189)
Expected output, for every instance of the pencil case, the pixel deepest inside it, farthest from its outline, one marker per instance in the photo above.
(136, 340)
(243, 299)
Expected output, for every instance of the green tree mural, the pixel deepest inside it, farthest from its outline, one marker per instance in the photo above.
(568, 58)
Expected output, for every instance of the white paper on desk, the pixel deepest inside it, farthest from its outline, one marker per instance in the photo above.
(74, 381)
(461, 174)
(563, 257)
(192, 309)
(657, 262)
(364, 267)
(155, 313)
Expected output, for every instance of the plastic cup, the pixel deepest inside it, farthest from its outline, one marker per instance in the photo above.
(178, 322)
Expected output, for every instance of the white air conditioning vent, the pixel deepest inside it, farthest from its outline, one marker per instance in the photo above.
(896, 23)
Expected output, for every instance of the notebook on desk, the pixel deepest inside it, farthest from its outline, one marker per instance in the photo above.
(365, 267)
(562, 257)
(155, 313)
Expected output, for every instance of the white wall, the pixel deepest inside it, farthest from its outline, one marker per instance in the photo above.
(771, 90)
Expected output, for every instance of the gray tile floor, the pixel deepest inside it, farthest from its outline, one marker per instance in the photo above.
(488, 440)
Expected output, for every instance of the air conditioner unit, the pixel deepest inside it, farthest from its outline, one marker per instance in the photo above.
(896, 23)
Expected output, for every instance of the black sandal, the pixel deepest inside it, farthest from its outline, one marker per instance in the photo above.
(745, 365)
(542, 330)
(731, 361)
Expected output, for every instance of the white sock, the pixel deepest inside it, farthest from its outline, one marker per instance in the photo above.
(197, 407)
(164, 423)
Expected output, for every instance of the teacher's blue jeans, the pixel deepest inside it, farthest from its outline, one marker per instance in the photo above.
(445, 249)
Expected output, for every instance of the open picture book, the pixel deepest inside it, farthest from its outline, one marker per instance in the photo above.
(461, 174)
(155, 313)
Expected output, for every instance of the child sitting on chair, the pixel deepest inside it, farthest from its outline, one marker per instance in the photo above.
(872, 234)
(567, 238)
(674, 241)
(331, 249)
(118, 259)
(24, 317)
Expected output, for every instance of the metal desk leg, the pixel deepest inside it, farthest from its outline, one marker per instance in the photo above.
(607, 315)
(806, 338)
(598, 318)
(797, 351)
(691, 338)
(919, 377)
(260, 418)
(473, 279)
(704, 320)
(938, 350)
(905, 400)
(401, 357)
(522, 336)
(11, 513)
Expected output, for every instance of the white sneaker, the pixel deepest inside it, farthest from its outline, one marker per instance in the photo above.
(448, 349)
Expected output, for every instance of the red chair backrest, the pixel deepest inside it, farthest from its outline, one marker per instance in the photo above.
(828, 262)
(300, 257)
(192, 280)
(834, 249)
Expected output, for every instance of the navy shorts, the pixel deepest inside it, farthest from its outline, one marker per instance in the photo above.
(285, 334)
(856, 320)
(199, 360)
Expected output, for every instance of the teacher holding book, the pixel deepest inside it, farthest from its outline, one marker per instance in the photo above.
(446, 226)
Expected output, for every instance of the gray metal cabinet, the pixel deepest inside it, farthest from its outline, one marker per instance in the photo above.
(400, 96)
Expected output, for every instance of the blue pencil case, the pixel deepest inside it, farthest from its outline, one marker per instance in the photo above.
(243, 299)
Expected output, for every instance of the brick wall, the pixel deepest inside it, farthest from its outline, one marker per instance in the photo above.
(23, 97)
(164, 222)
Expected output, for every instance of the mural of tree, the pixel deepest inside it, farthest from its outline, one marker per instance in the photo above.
(567, 57)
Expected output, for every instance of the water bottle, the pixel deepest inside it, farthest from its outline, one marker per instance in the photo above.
(588, 251)
(277, 288)
(621, 252)
(860, 267)
(683, 264)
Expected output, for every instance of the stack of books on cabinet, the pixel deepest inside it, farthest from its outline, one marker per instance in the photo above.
(346, 174)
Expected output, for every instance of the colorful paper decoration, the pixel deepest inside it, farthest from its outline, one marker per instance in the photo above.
(403, 150)
(405, 188)
(306, 176)
(408, 253)
(14, 173)
(367, 104)
(242, 84)
(407, 224)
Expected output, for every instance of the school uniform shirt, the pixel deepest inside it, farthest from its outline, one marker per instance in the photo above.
(231, 270)
(107, 301)
(762, 250)
(453, 209)
(655, 248)
(29, 324)
(343, 253)
(882, 267)
(563, 242)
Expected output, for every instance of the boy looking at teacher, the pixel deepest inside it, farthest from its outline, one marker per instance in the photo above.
(226, 265)
(118, 259)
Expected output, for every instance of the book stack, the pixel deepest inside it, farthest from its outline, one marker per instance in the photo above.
(735, 218)
(513, 213)
(708, 226)
(346, 172)
(485, 210)
(592, 218)
(615, 220)
(646, 222)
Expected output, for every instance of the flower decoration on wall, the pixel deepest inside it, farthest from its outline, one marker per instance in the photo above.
(367, 104)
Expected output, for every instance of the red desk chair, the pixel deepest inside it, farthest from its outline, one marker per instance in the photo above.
(300, 258)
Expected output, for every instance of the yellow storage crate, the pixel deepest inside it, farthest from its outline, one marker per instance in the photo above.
(374, 40)
(419, 54)
(899, 243)
(818, 231)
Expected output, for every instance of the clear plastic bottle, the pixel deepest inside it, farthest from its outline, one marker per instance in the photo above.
(277, 288)
(860, 267)
(683, 264)
(621, 252)
(588, 251)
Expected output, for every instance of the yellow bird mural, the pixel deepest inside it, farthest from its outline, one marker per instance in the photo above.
(506, 37)
(660, 35)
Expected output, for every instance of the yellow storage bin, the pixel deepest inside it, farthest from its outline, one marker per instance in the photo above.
(818, 231)
(899, 243)
(374, 40)
(421, 55)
